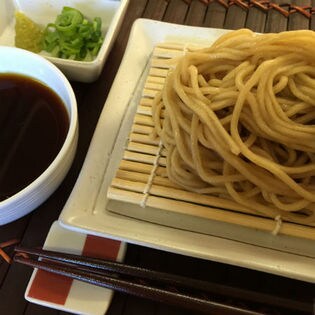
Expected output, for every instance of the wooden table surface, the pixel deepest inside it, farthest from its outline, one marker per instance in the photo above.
(32, 229)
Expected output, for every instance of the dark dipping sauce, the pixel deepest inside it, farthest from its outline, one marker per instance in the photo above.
(33, 127)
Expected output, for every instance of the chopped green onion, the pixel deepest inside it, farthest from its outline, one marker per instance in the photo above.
(72, 36)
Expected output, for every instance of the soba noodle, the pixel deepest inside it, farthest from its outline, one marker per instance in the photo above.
(239, 122)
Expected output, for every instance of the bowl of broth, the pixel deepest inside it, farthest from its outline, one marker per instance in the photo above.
(38, 131)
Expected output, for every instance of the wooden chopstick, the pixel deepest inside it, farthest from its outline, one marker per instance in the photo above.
(96, 264)
(154, 285)
(162, 295)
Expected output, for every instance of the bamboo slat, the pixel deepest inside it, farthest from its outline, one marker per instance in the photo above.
(141, 179)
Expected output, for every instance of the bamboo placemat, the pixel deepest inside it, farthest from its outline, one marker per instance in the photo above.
(142, 190)
(258, 15)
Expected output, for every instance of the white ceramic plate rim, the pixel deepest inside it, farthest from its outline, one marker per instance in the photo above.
(86, 207)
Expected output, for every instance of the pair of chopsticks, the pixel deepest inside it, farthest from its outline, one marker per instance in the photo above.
(166, 288)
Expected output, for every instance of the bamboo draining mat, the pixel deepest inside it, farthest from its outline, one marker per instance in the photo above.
(141, 189)
(258, 15)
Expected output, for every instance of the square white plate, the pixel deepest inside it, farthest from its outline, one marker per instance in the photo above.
(45, 11)
(69, 295)
(86, 207)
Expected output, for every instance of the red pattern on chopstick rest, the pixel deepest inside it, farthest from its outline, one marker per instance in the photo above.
(54, 288)
(50, 287)
(100, 247)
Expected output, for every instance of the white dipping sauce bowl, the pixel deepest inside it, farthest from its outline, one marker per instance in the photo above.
(18, 61)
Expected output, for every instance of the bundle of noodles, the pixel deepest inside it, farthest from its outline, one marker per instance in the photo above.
(237, 120)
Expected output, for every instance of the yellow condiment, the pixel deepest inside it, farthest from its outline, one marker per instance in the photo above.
(28, 34)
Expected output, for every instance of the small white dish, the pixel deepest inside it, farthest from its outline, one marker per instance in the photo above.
(69, 295)
(19, 61)
(86, 209)
(44, 11)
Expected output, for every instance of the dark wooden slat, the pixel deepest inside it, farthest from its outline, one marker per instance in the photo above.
(34, 309)
(176, 12)
(215, 15)
(312, 21)
(235, 17)
(298, 21)
(13, 230)
(8, 232)
(276, 22)
(196, 13)
(12, 291)
(152, 259)
(256, 20)
(155, 10)
(136, 306)
(118, 304)
(165, 310)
